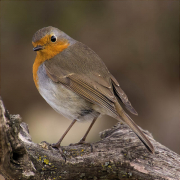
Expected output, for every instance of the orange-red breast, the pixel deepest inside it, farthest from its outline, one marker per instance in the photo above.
(76, 83)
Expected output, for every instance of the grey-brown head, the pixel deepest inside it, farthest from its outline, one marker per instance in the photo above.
(50, 37)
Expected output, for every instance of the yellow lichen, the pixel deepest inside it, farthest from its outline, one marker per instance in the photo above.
(46, 161)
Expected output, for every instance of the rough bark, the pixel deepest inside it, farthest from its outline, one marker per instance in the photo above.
(118, 155)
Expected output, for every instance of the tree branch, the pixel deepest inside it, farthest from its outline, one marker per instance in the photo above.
(118, 155)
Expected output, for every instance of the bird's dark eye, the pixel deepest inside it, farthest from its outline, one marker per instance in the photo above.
(53, 38)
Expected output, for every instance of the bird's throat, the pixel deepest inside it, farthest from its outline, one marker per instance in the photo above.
(46, 54)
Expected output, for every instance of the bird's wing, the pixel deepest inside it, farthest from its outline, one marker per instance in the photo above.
(87, 76)
(86, 88)
(121, 94)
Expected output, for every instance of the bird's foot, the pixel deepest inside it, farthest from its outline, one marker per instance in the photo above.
(57, 146)
(82, 142)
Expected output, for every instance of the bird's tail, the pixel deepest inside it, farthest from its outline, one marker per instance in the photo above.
(123, 116)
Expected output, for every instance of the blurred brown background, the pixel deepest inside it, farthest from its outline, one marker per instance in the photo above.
(138, 41)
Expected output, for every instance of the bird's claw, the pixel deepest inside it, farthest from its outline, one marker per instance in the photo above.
(60, 150)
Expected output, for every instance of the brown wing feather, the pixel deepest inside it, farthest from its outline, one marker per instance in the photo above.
(121, 94)
(85, 89)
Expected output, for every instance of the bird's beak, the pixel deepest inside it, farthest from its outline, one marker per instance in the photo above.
(38, 48)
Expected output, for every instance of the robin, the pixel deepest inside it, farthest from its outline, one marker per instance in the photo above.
(76, 83)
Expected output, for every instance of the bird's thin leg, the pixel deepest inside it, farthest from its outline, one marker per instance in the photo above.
(82, 141)
(57, 145)
(87, 132)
